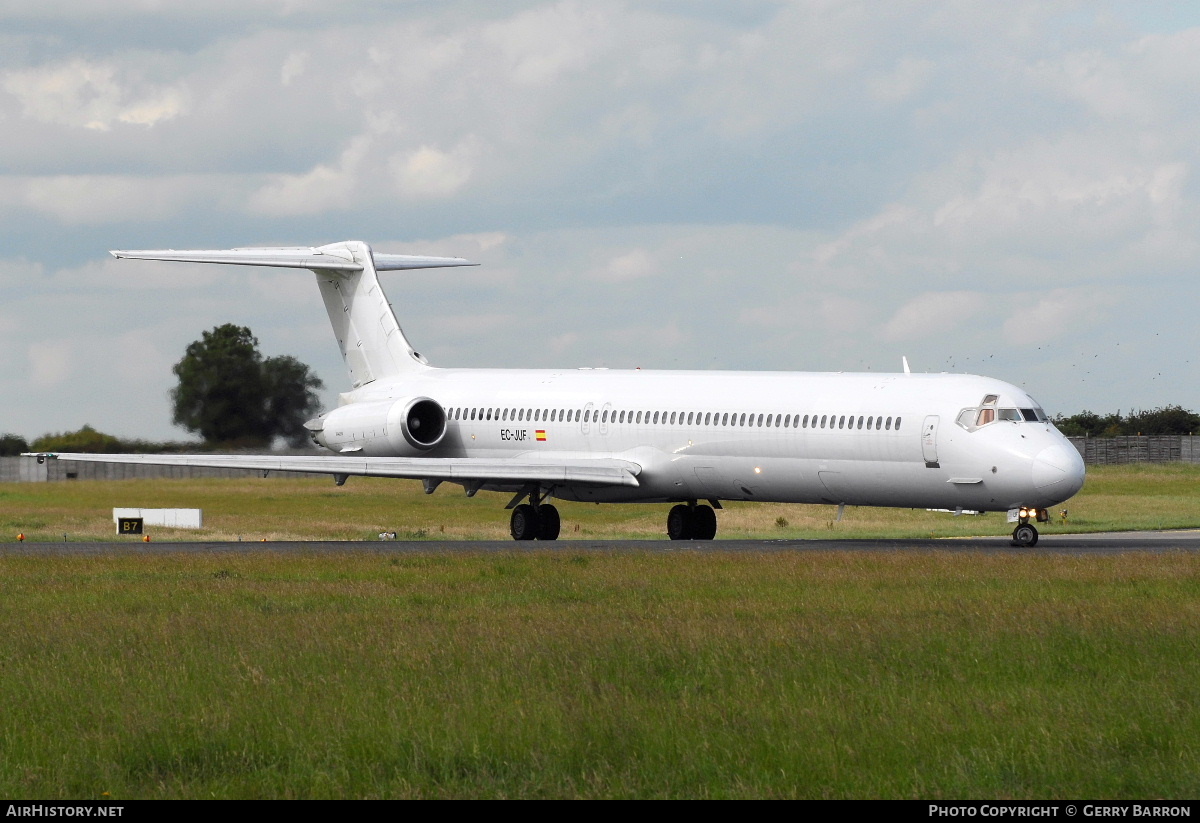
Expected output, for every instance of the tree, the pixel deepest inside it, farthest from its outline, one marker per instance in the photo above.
(12, 444)
(1089, 424)
(86, 440)
(228, 393)
(291, 392)
(1165, 420)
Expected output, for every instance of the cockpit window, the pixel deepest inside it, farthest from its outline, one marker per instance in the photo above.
(986, 413)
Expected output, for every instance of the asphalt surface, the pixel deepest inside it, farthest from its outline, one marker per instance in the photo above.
(1104, 543)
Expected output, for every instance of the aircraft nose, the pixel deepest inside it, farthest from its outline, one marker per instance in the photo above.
(1058, 470)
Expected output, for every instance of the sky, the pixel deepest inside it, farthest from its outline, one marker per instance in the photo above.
(1006, 189)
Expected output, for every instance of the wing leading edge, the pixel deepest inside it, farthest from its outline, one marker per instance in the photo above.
(597, 472)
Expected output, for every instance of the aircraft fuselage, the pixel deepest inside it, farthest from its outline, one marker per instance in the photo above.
(858, 439)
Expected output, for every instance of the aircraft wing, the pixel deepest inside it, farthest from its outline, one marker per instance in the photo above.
(586, 471)
(325, 257)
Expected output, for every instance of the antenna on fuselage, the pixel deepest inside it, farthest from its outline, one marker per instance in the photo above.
(904, 361)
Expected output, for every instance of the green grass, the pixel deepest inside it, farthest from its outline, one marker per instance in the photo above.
(596, 674)
(1115, 498)
(557, 672)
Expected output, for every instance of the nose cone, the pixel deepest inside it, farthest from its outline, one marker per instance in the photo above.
(1058, 471)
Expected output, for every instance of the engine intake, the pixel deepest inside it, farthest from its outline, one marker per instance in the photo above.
(420, 421)
(382, 428)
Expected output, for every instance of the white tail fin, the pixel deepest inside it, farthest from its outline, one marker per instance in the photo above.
(368, 335)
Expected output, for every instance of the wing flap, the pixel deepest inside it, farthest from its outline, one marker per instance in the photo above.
(597, 472)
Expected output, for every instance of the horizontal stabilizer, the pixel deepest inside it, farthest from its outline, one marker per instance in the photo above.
(397, 262)
(598, 471)
(333, 258)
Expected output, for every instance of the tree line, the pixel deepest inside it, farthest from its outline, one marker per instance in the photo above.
(233, 397)
(1163, 420)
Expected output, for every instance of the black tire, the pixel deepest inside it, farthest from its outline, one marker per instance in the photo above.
(1025, 535)
(704, 523)
(524, 522)
(680, 523)
(549, 522)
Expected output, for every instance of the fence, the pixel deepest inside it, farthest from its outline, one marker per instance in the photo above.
(1165, 448)
(28, 470)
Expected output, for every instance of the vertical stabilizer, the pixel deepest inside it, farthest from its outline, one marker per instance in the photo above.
(367, 333)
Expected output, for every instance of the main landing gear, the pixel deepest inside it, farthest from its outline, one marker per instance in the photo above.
(692, 522)
(538, 520)
(534, 520)
(1026, 534)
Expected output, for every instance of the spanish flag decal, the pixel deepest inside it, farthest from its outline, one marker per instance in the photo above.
(540, 434)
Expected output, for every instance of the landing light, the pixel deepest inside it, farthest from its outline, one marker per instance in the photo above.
(757, 470)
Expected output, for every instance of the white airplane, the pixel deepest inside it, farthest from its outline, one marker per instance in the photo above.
(692, 438)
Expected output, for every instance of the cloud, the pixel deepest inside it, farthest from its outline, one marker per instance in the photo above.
(538, 47)
(90, 95)
(107, 199)
(322, 188)
(633, 265)
(1042, 318)
(932, 314)
(791, 184)
(50, 362)
(430, 173)
(906, 78)
(294, 66)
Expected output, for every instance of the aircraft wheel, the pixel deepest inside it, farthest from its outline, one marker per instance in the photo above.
(1025, 535)
(680, 523)
(548, 522)
(524, 522)
(704, 523)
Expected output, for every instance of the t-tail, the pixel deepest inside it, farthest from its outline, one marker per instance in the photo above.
(368, 336)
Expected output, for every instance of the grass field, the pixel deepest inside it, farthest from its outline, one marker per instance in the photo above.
(566, 674)
(556, 672)
(1115, 497)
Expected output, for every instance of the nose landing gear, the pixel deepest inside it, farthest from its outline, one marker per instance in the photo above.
(1026, 534)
